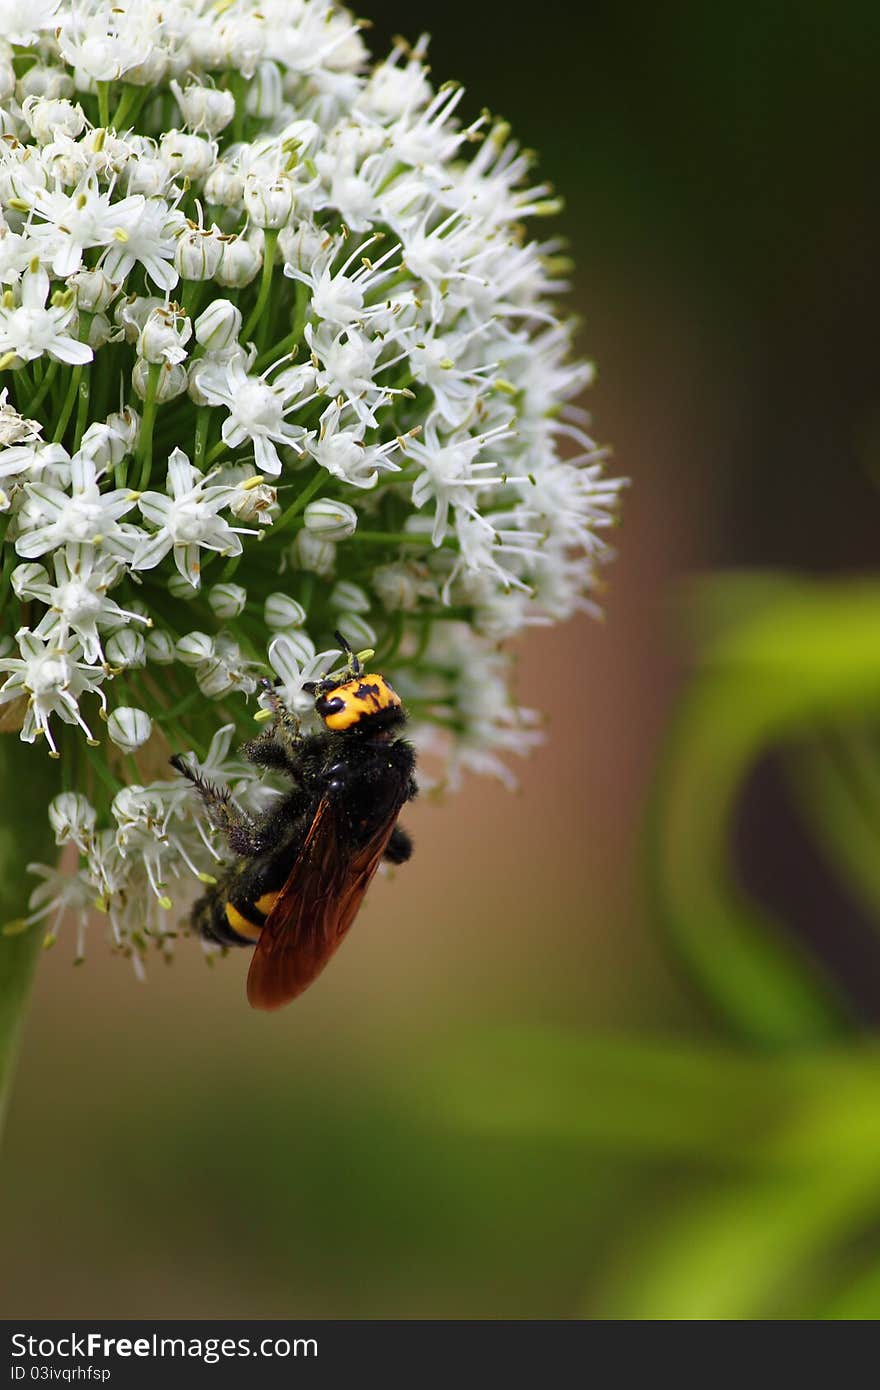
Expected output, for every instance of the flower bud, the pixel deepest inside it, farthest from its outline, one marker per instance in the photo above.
(72, 816)
(24, 577)
(301, 244)
(100, 331)
(94, 290)
(239, 264)
(334, 521)
(132, 313)
(172, 380)
(148, 175)
(163, 336)
(227, 601)
(129, 728)
(283, 612)
(268, 202)
(356, 631)
(350, 597)
(198, 252)
(204, 108)
(160, 646)
(195, 648)
(187, 156)
(49, 117)
(218, 326)
(265, 96)
(126, 649)
(126, 424)
(254, 501)
(7, 80)
(224, 186)
(399, 587)
(314, 553)
(180, 588)
(215, 678)
(45, 81)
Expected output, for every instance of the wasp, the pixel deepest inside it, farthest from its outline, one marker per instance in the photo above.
(300, 871)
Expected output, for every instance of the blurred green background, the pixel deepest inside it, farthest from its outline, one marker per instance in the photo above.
(605, 1048)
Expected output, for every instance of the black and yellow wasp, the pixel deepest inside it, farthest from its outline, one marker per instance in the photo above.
(300, 871)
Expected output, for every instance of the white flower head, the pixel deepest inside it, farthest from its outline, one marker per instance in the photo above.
(282, 359)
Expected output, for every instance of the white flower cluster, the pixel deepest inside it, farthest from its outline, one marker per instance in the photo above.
(278, 359)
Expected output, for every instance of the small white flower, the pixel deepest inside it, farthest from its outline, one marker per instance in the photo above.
(296, 663)
(29, 329)
(452, 475)
(78, 600)
(14, 429)
(86, 217)
(53, 677)
(254, 501)
(186, 522)
(149, 242)
(86, 515)
(23, 21)
(204, 108)
(164, 336)
(73, 818)
(257, 411)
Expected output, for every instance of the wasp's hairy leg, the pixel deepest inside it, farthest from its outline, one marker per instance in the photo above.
(279, 746)
(242, 835)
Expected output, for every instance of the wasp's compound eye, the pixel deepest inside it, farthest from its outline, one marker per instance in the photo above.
(329, 704)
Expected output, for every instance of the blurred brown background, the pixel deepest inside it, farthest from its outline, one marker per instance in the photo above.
(170, 1153)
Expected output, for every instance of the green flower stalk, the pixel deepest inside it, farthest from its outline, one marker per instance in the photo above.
(278, 359)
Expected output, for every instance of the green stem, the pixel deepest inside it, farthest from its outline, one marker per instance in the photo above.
(67, 408)
(399, 538)
(270, 238)
(203, 423)
(36, 401)
(145, 440)
(104, 103)
(129, 104)
(303, 497)
(32, 779)
(82, 412)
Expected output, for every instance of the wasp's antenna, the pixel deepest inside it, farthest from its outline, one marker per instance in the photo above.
(352, 656)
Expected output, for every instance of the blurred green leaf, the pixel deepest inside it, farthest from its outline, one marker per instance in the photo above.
(776, 1160)
(800, 656)
(837, 784)
(28, 781)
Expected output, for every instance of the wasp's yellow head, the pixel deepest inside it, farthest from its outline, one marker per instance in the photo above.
(364, 700)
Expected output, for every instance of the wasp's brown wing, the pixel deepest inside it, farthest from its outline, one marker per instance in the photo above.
(314, 909)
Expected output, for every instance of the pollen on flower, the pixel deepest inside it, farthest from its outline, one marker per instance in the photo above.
(289, 367)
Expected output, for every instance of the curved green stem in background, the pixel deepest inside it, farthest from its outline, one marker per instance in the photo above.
(785, 657)
(29, 779)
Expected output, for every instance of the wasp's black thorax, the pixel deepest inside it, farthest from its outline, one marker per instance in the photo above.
(366, 773)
